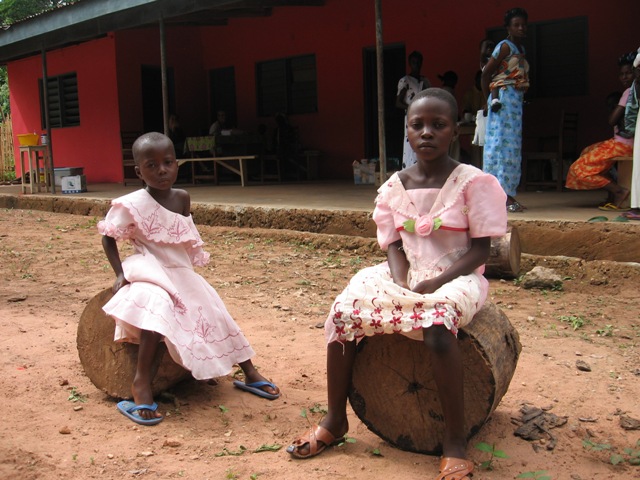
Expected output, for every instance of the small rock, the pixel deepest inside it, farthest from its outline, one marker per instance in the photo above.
(629, 423)
(170, 442)
(583, 366)
(542, 278)
(64, 383)
(110, 456)
(145, 454)
(20, 298)
(77, 408)
(64, 431)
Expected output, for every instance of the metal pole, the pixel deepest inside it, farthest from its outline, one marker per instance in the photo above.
(382, 144)
(47, 124)
(163, 67)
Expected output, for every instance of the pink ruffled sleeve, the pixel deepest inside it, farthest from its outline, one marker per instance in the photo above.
(487, 207)
(383, 216)
(118, 223)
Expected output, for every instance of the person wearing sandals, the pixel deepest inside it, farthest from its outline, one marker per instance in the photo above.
(591, 170)
(435, 219)
(158, 296)
(507, 71)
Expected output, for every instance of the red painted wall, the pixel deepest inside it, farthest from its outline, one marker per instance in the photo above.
(448, 36)
(110, 86)
(95, 144)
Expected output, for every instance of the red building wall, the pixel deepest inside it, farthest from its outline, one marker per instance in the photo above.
(95, 143)
(448, 36)
(109, 72)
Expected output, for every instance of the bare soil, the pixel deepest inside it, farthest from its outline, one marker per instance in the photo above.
(279, 286)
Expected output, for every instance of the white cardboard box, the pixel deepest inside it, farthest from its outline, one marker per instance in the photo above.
(74, 184)
(59, 172)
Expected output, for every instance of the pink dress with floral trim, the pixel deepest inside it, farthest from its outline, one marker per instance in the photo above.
(165, 294)
(436, 227)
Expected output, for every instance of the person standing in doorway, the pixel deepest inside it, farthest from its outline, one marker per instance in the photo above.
(408, 87)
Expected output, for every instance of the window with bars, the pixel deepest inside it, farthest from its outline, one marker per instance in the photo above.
(62, 99)
(287, 86)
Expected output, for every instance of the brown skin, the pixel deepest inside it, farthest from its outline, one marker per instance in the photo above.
(156, 165)
(432, 128)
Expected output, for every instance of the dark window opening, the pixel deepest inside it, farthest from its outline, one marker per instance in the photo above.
(62, 100)
(287, 86)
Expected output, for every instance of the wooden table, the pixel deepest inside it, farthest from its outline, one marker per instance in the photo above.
(32, 156)
(226, 162)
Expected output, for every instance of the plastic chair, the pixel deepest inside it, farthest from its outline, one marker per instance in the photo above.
(546, 167)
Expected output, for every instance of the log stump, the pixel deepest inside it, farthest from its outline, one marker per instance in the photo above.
(395, 396)
(111, 366)
(504, 259)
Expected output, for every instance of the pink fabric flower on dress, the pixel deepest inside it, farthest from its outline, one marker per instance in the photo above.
(423, 226)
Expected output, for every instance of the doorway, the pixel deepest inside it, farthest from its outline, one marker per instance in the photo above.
(222, 94)
(152, 114)
(394, 69)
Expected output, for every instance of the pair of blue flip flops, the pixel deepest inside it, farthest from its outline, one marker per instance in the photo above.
(130, 410)
(256, 388)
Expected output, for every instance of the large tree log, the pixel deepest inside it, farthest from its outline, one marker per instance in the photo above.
(111, 366)
(504, 259)
(395, 396)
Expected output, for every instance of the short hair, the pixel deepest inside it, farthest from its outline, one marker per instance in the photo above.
(415, 54)
(515, 13)
(146, 139)
(627, 58)
(440, 94)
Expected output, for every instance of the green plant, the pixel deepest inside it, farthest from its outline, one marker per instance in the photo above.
(576, 321)
(230, 474)
(629, 455)
(606, 331)
(492, 451)
(75, 396)
(539, 475)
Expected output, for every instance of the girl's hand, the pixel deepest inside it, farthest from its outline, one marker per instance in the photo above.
(428, 286)
(403, 284)
(119, 283)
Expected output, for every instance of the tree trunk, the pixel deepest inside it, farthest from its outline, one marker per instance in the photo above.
(504, 259)
(111, 366)
(394, 394)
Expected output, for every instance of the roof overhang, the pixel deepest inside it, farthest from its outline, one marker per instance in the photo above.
(91, 19)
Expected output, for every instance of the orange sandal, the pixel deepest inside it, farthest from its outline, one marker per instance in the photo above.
(455, 469)
(318, 438)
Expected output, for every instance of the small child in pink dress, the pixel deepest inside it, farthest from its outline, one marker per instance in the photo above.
(435, 219)
(158, 295)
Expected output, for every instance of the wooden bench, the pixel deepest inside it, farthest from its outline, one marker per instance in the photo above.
(625, 172)
(226, 162)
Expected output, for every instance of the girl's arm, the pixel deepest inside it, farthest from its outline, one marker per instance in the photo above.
(476, 255)
(398, 263)
(111, 249)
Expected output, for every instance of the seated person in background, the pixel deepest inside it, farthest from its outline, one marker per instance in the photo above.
(449, 81)
(590, 170)
(220, 123)
(176, 134)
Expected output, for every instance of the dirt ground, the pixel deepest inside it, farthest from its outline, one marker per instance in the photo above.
(279, 286)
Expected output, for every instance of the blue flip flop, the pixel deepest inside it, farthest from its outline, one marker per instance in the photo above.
(256, 390)
(130, 410)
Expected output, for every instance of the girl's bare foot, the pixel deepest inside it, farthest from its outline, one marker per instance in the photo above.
(142, 395)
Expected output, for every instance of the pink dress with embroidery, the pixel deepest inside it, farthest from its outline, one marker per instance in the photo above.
(165, 294)
(469, 205)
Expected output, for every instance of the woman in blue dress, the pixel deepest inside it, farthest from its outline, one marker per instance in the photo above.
(507, 72)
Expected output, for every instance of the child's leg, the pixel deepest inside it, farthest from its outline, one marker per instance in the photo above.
(446, 362)
(141, 387)
(340, 359)
(251, 375)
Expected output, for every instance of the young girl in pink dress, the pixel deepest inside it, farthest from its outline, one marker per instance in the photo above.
(435, 219)
(158, 295)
